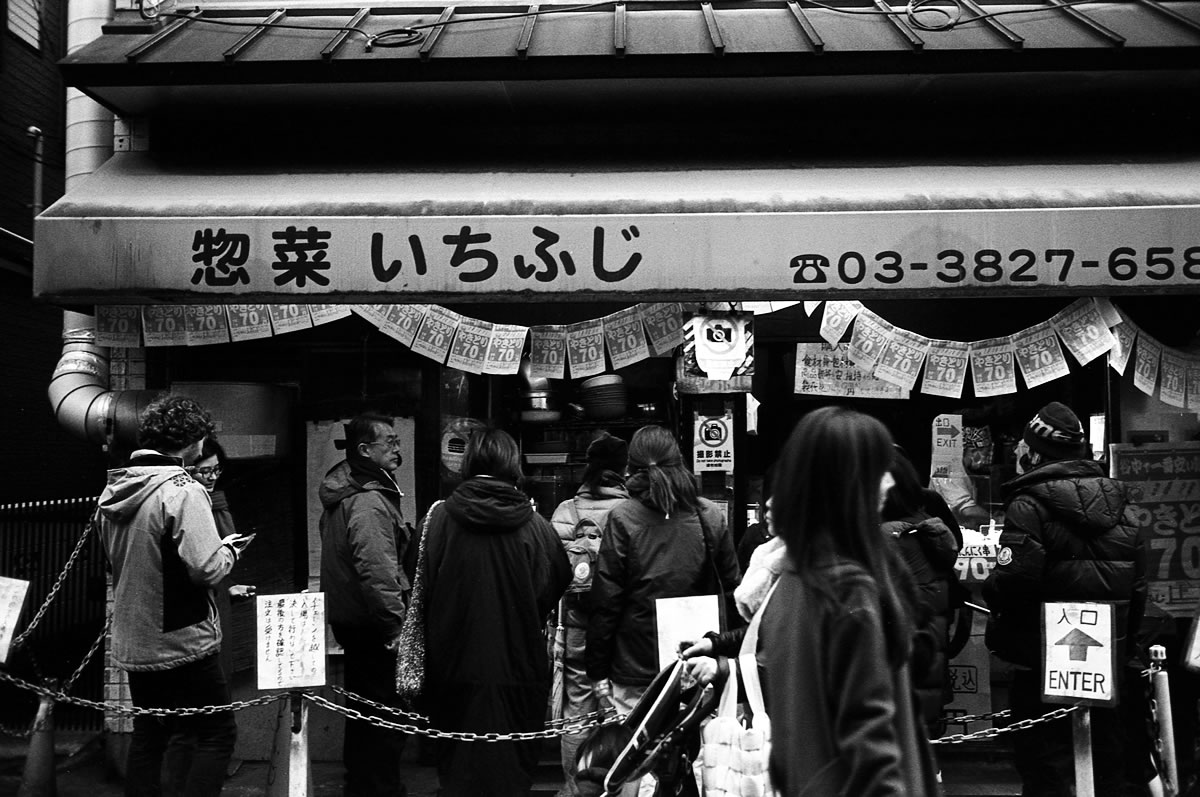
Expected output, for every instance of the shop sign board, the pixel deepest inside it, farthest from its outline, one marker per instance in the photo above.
(743, 254)
(712, 446)
(946, 447)
(1078, 654)
(12, 600)
(291, 640)
(977, 557)
(1163, 480)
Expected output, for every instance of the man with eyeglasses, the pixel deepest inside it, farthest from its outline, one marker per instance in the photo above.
(363, 542)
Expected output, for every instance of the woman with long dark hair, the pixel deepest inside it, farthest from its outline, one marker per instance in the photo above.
(664, 542)
(836, 632)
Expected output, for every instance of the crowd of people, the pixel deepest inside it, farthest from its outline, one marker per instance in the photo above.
(851, 583)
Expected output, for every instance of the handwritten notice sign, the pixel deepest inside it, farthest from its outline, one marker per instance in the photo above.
(663, 322)
(504, 349)
(1040, 355)
(1163, 480)
(248, 321)
(825, 370)
(547, 352)
(402, 322)
(901, 358)
(1083, 330)
(12, 599)
(836, 319)
(993, 368)
(289, 317)
(118, 326)
(1079, 654)
(625, 337)
(207, 324)
(436, 333)
(1147, 353)
(470, 345)
(946, 368)
(164, 325)
(291, 640)
(585, 348)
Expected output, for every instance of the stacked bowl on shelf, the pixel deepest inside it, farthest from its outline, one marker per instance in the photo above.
(603, 397)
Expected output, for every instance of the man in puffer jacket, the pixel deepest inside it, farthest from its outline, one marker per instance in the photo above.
(1067, 537)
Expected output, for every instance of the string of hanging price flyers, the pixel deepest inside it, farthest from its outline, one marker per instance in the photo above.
(897, 357)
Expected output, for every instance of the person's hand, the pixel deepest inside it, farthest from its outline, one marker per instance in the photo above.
(243, 591)
(702, 648)
(602, 689)
(701, 669)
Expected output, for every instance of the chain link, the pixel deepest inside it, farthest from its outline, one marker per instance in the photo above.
(976, 717)
(58, 582)
(990, 733)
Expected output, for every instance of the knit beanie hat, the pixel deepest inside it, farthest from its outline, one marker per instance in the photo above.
(1055, 433)
(608, 453)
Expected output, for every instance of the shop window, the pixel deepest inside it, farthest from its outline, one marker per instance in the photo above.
(24, 21)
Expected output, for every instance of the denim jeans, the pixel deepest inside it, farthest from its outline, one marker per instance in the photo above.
(210, 737)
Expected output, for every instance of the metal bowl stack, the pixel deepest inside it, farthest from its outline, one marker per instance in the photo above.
(603, 397)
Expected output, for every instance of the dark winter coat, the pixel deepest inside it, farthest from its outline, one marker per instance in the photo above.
(928, 550)
(1068, 536)
(494, 570)
(645, 556)
(363, 541)
(831, 697)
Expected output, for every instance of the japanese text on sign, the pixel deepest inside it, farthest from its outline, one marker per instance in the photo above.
(1079, 654)
(12, 599)
(291, 640)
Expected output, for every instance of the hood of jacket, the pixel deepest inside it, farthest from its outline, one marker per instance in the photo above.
(1076, 492)
(349, 478)
(129, 487)
(489, 505)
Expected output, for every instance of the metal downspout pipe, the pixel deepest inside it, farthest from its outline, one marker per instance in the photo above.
(79, 388)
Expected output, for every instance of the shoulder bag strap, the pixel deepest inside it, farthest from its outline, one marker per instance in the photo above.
(748, 658)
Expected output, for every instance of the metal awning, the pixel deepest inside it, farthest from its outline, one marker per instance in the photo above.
(137, 231)
(242, 54)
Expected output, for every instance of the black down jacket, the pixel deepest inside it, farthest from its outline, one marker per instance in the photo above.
(1068, 536)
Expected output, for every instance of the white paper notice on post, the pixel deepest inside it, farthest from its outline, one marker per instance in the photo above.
(12, 599)
(291, 640)
(685, 619)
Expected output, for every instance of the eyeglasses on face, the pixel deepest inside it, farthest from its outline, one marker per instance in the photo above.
(206, 473)
(391, 442)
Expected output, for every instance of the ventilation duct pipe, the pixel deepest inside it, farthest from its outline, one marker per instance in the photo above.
(79, 389)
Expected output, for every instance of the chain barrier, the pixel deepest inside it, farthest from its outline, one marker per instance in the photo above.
(963, 720)
(991, 733)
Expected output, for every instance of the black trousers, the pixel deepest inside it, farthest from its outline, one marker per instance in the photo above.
(370, 753)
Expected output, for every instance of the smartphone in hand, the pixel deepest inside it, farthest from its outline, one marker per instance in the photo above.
(242, 541)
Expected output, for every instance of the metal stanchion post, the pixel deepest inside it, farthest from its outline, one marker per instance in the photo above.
(1081, 727)
(293, 779)
(1165, 726)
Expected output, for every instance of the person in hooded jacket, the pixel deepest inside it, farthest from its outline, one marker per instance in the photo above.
(1068, 536)
(494, 570)
(603, 487)
(363, 542)
(157, 528)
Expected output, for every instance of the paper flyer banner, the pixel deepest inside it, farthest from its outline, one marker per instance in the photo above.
(825, 370)
(901, 358)
(206, 324)
(504, 349)
(870, 335)
(625, 338)
(585, 348)
(12, 600)
(810, 306)
(993, 369)
(1172, 387)
(946, 368)
(1108, 312)
(836, 319)
(248, 321)
(1083, 331)
(664, 325)
(756, 308)
(1192, 380)
(375, 313)
(470, 345)
(547, 352)
(164, 325)
(118, 326)
(289, 317)
(291, 640)
(1118, 356)
(1039, 354)
(1146, 354)
(324, 313)
(436, 332)
(401, 322)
